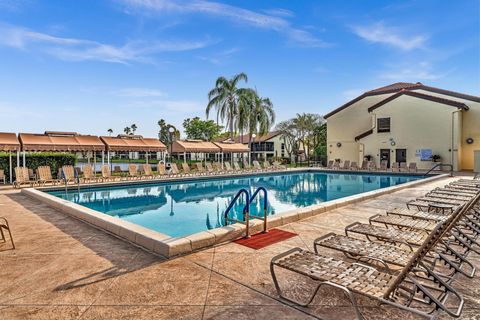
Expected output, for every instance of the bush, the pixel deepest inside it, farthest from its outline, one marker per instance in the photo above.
(54, 160)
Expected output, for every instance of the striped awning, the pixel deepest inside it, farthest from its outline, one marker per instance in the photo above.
(126, 143)
(60, 141)
(231, 147)
(196, 146)
(9, 142)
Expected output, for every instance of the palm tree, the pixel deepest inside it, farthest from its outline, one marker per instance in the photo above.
(256, 113)
(127, 130)
(110, 132)
(224, 98)
(134, 128)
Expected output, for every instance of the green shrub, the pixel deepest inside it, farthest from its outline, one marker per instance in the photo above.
(54, 160)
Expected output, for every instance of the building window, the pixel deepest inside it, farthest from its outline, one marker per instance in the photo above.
(383, 125)
(283, 150)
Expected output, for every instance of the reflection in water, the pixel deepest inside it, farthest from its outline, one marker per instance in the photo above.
(179, 209)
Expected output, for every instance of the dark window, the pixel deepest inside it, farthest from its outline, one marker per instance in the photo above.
(383, 125)
(262, 146)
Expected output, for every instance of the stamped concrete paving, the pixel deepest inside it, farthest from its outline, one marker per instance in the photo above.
(65, 269)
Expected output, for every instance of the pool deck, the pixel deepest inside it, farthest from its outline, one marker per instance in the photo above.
(66, 269)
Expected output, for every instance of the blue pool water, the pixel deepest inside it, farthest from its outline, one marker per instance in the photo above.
(182, 208)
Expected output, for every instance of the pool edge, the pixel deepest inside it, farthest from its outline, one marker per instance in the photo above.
(168, 246)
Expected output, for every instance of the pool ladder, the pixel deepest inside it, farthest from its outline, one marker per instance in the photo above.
(246, 208)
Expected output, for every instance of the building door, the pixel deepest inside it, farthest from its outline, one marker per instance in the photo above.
(401, 155)
(385, 155)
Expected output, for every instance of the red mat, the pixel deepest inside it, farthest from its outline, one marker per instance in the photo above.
(261, 240)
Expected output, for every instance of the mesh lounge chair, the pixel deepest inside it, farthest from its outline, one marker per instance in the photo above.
(228, 167)
(372, 166)
(147, 171)
(161, 172)
(133, 171)
(337, 165)
(403, 167)
(395, 167)
(44, 175)
(246, 165)
(173, 170)
(200, 169)
(237, 168)
(5, 226)
(346, 165)
(107, 174)
(364, 165)
(330, 164)
(210, 169)
(69, 175)
(186, 169)
(415, 288)
(3, 177)
(353, 165)
(267, 166)
(383, 165)
(88, 174)
(412, 167)
(257, 166)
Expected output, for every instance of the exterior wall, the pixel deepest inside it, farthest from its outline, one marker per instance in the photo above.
(413, 130)
(345, 125)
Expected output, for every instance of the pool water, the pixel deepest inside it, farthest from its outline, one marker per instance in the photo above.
(182, 208)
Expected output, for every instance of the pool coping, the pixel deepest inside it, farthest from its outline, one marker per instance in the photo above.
(168, 246)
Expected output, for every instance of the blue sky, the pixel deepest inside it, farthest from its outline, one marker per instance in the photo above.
(90, 65)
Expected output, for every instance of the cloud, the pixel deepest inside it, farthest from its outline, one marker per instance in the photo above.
(73, 49)
(412, 73)
(220, 58)
(276, 21)
(139, 93)
(379, 33)
(280, 12)
(352, 93)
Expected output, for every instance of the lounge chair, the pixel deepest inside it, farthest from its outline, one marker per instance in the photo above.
(133, 171)
(88, 174)
(372, 166)
(383, 165)
(217, 166)
(186, 169)
(330, 164)
(147, 171)
(5, 226)
(69, 174)
(173, 170)
(117, 170)
(346, 165)
(395, 167)
(246, 165)
(364, 166)
(44, 176)
(353, 166)
(210, 169)
(3, 177)
(412, 167)
(337, 165)
(161, 171)
(107, 174)
(415, 288)
(237, 168)
(257, 166)
(200, 169)
(267, 166)
(228, 167)
(403, 167)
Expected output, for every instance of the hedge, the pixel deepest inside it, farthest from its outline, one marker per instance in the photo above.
(54, 160)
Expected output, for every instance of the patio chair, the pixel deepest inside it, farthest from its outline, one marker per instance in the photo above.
(107, 174)
(337, 165)
(117, 170)
(44, 175)
(372, 166)
(133, 171)
(257, 166)
(5, 226)
(3, 177)
(330, 164)
(279, 166)
(403, 167)
(88, 174)
(147, 171)
(246, 165)
(173, 170)
(412, 167)
(395, 167)
(354, 166)
(217, 166)
(346, 165)
(228, 167)
(383, 165)
(415, 288)
(237, 168)
(161, 172)
(69, 174)
(186, 169)
(22, 177)
(210, 169)
(267, 166)
(364, 166)
(200, 169)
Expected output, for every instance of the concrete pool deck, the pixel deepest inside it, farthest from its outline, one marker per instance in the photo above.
(168, 246)
(66, 269)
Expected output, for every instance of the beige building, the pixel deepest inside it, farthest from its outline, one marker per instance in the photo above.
(406, 122)
(270, 145)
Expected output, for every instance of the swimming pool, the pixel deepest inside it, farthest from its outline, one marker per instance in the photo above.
(182, 208)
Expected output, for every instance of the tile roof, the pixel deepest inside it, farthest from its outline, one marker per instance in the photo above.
(9, 142)
(398, 86)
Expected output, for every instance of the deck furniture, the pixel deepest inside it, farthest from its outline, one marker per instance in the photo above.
(257, 166)
(395, 167)
(336, 165)
(415, 288)
(228, 167)
(403, 167)
(364, 166)
(147, 171)
(3, 177)
(88, 174)
(5, 226)
(330, 164)
(200, 169)
(383, 165)
(346, 165)
(354, 166)
(210, 169)
(107, 174)
(372, 166)
(412, 167)
(237, 168)
(133, 171)
(186, 169)
(22, 177)
(161, 171)
(267, 166)
(44, 176)
(68, 174)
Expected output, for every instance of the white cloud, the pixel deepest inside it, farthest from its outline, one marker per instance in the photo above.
(412, 72)
(379, 33)
(73, 49)
(139, 92)
(352, 93)
(280, 12)
(275, 21)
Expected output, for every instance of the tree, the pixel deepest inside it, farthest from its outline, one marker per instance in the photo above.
(224, 98)
(306, 123)
(256, 113)
(164, 133)
(290, 136)
(202, 130)
(127, 130)
(134, 128)
(110, 132)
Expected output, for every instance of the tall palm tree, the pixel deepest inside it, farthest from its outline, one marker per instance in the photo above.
(261, 116)
(224, 98)
(127, 130)
(134, 128)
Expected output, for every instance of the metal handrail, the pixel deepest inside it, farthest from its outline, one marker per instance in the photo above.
(265, 206)
(75, 175)
(440, 165)
(246, 210)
